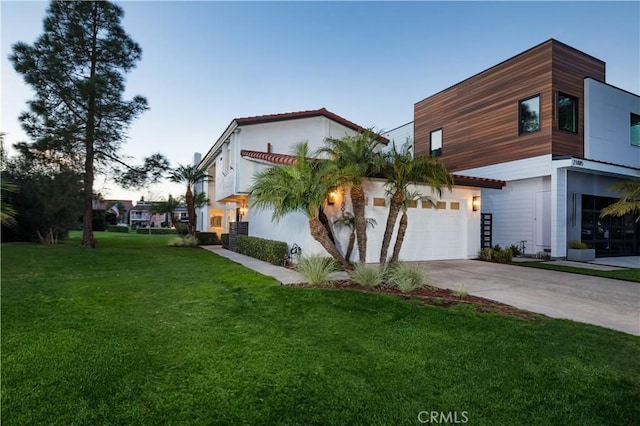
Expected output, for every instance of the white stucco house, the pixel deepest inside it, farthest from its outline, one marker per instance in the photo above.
(450, 229)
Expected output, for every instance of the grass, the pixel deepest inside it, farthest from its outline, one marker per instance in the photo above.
(619, 274)
(136, 332)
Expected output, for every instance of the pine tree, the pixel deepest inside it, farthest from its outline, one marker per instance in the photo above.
(77, 69)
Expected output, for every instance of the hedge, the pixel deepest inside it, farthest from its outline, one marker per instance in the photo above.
(270, 251)
(118, 228)
(207, 238)
(224, 238)
(156, 231)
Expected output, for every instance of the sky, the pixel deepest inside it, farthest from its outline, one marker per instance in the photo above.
(205, 63)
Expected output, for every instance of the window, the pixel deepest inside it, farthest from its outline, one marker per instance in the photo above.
(454, 205)
(427, 204)
(436, 143)
(635, 129)
(441, 205)
(412, 204)
(567, 113)
(379, 202)
(529, 115)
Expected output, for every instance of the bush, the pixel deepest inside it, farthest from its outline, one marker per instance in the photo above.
(186, 241)
(224, 238)
(316, 269)
(182, 229)
(207, 238)
(515, 251)
(578, 245)
(270, 251)
(496, 254)
(118, 228)
(367, 276)
(406, 278)
(156, 231)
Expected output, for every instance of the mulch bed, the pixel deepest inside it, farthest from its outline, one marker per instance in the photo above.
(437, 297)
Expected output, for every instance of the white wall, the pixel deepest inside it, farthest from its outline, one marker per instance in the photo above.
(518, 214)
(607, 124)
(400, 135)
(431, 234)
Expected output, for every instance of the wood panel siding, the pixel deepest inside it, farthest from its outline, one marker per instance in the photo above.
(569, 69)
(479, 116)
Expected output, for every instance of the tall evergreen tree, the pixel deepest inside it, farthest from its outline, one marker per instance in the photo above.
(77, 69)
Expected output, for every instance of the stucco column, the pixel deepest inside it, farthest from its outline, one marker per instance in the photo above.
(558, 212)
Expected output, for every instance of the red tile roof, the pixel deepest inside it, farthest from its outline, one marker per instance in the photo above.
(459, 180)
(322, 112)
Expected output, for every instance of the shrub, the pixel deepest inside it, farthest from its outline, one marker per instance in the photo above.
(515, 251)
(316, 269)
(186, 241)
(367, 276)
(207, 238)
(496, 254)
(156, 231)
(578, 245)
(224, 239)
(182, 229)
(406, 278)
(118, 228)
(270, 251)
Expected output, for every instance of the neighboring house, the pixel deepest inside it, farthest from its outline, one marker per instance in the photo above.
(140, 216)
(547, 123)
(107, 206)
(449, 230)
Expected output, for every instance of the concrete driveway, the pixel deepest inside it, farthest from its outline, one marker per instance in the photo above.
(601, 301)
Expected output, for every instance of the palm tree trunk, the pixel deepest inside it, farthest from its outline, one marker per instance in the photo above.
(394, 208)
(325, 222)
(352, 240)
(191, 211)
(402, 229)
(319, 233)
(357, 201)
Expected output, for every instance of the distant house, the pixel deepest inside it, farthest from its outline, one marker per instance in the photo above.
(140, 216)
(447, 229)
(114, 210)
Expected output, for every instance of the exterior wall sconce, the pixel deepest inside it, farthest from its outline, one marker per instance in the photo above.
(331, 200)
(475, 203)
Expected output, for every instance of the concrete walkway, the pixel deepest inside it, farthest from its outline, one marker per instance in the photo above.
(601, 301)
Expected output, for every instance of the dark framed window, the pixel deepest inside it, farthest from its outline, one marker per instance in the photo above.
(529, 115)
(567, 112)
(436, 143)
(635, 129)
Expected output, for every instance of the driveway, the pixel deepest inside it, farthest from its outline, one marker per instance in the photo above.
(601, 301)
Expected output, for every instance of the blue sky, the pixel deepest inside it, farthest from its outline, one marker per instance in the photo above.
(205, 63)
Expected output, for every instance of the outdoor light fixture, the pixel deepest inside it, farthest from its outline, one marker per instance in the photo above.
(331, 200)
(475, 203)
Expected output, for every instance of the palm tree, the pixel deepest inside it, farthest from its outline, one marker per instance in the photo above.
(354, 159)
(348, 220)
(630, 201)
(301, 187)
(189, 175)
(402, 170)
(409, 196)
(167, 207)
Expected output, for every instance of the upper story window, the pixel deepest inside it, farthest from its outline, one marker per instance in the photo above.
(529, 115)
(567, 113)
(635, 129)
(436, 143)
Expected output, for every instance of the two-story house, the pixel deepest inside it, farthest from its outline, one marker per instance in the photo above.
(547, 123)
(446, 229)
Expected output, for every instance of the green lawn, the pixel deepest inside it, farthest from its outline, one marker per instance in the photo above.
(136, 332)
(619, 274)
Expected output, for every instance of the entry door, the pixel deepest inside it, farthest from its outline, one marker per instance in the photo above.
(542, 219)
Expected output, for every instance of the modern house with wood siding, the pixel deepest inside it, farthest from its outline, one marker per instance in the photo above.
(547, 123)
